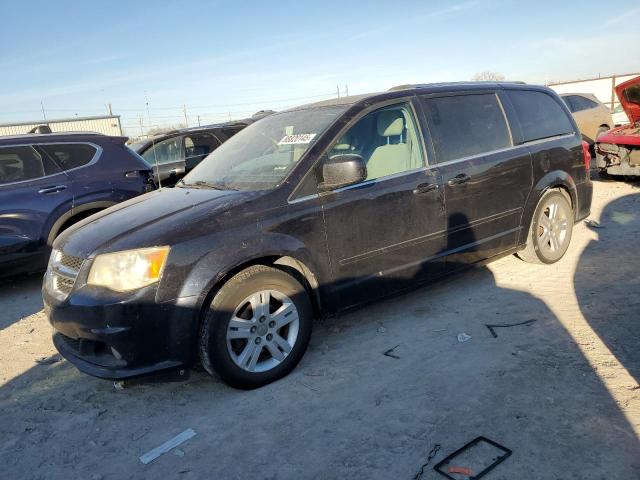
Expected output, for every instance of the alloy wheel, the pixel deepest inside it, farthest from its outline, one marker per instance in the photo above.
(262, 331)
(553, 228)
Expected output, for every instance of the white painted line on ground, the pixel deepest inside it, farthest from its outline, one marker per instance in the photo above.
(168, 445)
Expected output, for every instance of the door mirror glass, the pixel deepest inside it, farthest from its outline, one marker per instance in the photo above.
(343, 170)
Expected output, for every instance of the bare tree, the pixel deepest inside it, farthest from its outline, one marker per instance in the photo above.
(488, 76)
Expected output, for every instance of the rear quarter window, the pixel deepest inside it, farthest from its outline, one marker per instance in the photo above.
(466, 125)
(540, 115)
(70, 155)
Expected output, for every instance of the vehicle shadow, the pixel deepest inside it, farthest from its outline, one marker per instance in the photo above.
(350, 410)
(20, 297)
(607, 280)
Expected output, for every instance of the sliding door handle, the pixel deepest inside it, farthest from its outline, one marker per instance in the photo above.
(459, 179)
(425, 188)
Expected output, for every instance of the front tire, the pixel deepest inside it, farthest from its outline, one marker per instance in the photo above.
(257, 327)
(550, 231)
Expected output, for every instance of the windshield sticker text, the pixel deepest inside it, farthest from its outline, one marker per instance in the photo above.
(297, 139)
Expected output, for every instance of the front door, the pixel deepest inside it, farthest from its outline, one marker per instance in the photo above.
(382, 232)
(486, 179)
(167, 161)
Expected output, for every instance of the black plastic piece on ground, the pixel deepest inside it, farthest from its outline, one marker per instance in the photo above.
(495, 335)
(389, 353)
(498, 460)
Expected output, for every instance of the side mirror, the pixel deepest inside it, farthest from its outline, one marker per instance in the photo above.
(343, 170)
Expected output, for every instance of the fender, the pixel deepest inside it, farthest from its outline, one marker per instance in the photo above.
(217, 265)
(75, 210)
(553, 179)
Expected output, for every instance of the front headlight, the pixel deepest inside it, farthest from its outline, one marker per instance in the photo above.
(129, 269)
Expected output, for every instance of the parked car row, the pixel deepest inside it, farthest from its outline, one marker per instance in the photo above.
(311, 211)
(173, 154)
(51, 181)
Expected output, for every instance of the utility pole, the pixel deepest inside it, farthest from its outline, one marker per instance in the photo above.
(346, 90)
(43, 114)
(140, 120)
(198, 120)
(338, 90)
(109, 109)
(186, 120)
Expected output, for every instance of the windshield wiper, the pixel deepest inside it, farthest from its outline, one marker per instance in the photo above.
(205, 184)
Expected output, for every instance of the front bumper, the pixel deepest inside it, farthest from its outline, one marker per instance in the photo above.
(112, 335)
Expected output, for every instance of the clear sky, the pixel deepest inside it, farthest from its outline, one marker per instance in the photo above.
(231, 58)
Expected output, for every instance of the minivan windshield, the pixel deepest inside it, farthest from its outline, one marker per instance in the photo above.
(260, 156)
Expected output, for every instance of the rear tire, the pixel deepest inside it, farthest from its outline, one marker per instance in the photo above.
(257, 327)
(550, 230)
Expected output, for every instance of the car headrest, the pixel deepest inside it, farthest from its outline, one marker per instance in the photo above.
(390, 123)
(345, 143)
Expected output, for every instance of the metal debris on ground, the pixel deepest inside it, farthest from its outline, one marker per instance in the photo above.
(432, 453)
(506, 325)
(480, 454)
(463, 337)
(593, 224)
(119, 385)
(389, 353)
(167, 446)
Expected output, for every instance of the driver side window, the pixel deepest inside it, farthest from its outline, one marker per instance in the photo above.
(166, 151)
(387, 140)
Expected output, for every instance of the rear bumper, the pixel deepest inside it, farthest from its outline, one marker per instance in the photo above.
(118, 336)
(585, 196)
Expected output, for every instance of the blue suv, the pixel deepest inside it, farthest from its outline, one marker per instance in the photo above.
(48, 182)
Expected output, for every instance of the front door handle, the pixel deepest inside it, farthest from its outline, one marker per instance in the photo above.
(459, 179)
(56, 189)
(425, 188)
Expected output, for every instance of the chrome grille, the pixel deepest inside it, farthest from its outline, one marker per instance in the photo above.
(69, 261)
(63, 270)
(62, 284)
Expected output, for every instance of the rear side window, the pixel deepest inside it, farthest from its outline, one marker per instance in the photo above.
(577, 103)
(23, 163)
(70, 155)
(540, 115)
(466, 125)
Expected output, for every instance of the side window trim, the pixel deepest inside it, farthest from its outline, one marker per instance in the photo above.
(94, 159)
(41, 152)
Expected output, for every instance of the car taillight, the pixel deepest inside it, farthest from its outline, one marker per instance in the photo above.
(587, 155)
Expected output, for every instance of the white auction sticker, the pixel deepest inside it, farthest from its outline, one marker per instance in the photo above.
(296, 139)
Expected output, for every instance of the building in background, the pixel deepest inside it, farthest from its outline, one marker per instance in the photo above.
(108, 125)
(603, 87)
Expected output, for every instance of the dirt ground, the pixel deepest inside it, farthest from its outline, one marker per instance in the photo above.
(561, 392)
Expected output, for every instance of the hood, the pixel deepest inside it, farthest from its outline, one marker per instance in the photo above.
(629, 95)
(156, 218)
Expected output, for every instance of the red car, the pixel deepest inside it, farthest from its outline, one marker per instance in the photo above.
(618, 150)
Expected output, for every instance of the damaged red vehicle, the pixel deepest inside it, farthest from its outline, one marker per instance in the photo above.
(618, 150)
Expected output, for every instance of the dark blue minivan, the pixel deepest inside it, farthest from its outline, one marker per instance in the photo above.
(50, 181)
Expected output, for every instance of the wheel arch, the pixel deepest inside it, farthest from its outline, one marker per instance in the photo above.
(285, 262)
(557, 179)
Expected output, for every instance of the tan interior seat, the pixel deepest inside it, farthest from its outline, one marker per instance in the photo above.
(389, 158)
